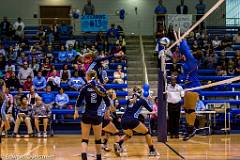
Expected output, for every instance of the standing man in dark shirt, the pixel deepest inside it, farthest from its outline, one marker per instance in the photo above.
(200, 7)
(160, 12)
(88, 8)
(182, 8)
(5, 27)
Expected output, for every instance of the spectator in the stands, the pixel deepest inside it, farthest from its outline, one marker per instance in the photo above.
(170, 32)
(231, 68)
(21, 58)
(182, 8)
(61, 101)
(62, 54)
(17, 97)
(48, 97)
(237, 67)
(5, 27)
(76, 82)
(201, 118)
(118, 75)
(24, 72)
(112, 36)
(200, 7)
(195, 46)
(2, 62)
(220, 71)
(35, 66)
(28, 84)
(39, 82)
(236, 38)
(41, 112)
(37, 54)
(160, 12)
(11, 54)
(222, 59)
(100, 39)
(154, 116)
(50, 73)
(121, 42)
(10, 66)
(32, 96)
(54, 81)
(2, 50)
(88, 8)
(210, 59)
(65, 73)
(19, 28)
(49, 53)
(216, 42)
(226, 42)
(13, 82)
(41, 34)
(71, 53)
(24, 112)
(46, 67)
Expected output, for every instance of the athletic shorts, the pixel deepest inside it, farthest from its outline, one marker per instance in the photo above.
(93, 120)
(129, 123)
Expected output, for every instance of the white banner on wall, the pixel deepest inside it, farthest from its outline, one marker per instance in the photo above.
(182, 21)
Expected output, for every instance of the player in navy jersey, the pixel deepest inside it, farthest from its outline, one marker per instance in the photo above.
(131, 123)
(97, 65)
(92, 95)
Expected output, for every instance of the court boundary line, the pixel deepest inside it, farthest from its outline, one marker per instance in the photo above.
(176, 152)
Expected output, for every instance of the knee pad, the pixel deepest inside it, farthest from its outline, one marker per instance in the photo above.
(146, 133)
(189, 111)
(98, 141)
(85, 141)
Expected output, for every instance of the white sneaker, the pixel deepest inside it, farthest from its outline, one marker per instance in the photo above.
(44, 134)
(117, 149)
(38, 134)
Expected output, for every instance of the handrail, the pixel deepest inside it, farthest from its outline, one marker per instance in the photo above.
(143, 60)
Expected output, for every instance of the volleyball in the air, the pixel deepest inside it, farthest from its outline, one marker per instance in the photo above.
(165, 41)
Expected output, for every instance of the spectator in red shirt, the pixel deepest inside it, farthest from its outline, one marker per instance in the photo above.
(28, 84)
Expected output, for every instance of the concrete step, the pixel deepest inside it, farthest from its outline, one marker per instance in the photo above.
(133, 77)
(134, 57)
(134, 83)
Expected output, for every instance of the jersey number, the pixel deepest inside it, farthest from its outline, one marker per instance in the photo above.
(93, 98)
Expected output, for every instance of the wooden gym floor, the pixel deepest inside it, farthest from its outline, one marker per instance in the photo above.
(67, 147)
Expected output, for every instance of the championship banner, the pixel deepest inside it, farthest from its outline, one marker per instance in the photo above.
(182, 21)
(94, 23)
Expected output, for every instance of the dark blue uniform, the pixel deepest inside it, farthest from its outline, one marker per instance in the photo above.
(130, 117)
(94, 104)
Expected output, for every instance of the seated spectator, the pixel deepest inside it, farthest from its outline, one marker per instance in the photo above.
(46, 67)
(61, 99)
(65, 73)
(221, 71)
(210, 59)
(236, 38)
(71, 53)
(10, 66)
(76, 82)
(112, 36)
(195, 46)
(49, 53)
(37, 54)
(216, 43)
(32, 96)
(17, 97)
(12, 82)
(2, 62)
(11, 54)
(41, 34)
(201, 119)
(62, 54)
(118, 75)
(2, 50)
(22, 58)
(24, 72)
(19, 28)
(28, 84)
(237, 67)
(39, 82)
(41, 112)
(24, 112)
(54, 81)
(50, 73)
(48, 97)
(35, 66)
